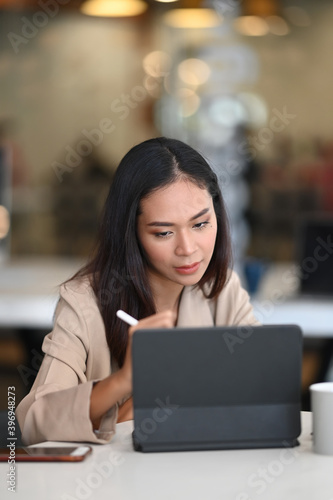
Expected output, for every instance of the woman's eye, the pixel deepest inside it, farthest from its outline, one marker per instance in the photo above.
(164, 234)
(201, 225)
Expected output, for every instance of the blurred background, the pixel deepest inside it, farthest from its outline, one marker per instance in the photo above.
(248, 83)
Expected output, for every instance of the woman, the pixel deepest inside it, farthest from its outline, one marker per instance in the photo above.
(163, 256)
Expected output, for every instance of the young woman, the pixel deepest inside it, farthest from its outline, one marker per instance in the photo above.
(163, 256)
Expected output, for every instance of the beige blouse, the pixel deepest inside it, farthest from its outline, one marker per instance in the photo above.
(77, 355)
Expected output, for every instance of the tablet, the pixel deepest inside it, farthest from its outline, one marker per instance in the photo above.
(217, 387)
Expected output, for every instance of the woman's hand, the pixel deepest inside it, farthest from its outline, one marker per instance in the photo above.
(165, 319)
(118, 385)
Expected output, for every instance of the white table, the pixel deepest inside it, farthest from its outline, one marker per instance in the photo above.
(116, 471)
(29, 290)
(29, 293)
(278, 302)
(315, 317)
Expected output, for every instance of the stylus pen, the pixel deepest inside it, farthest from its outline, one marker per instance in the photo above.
(127, 318)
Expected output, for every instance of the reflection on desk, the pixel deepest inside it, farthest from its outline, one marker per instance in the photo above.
(116, 471)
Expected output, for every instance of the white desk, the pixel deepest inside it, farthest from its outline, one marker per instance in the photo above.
(115, 471)
(29, 290)
(29, 293)
(278, 302)
(315, 317)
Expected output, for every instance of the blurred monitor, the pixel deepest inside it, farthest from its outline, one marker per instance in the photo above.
(315, 255)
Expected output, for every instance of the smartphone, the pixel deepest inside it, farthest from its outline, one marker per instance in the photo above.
(44, 454)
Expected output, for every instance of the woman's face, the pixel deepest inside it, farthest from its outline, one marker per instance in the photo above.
(177, 229)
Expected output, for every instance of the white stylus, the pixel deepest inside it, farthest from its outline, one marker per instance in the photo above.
(127, 318)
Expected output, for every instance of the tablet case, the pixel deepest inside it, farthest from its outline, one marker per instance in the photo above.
(217, 387)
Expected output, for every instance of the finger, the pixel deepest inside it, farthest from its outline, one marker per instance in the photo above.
(164, 319)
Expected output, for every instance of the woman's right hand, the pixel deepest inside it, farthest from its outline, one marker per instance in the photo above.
(118, 385)
(164, 319)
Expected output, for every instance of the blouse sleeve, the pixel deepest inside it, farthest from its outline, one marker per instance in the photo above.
(57, 407)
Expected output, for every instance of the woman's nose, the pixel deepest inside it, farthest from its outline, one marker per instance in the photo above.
(185, 244)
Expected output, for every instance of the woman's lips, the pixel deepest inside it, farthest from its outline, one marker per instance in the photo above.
(192, 268)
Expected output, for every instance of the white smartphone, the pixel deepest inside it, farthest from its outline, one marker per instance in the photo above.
(44, 454)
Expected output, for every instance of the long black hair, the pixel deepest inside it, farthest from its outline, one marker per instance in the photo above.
(118, 269)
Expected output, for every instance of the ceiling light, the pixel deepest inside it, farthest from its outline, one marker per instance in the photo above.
(114, 8)
(261, 8)
(192, 18)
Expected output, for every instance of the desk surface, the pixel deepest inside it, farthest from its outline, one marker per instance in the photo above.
(278, 301)
(29, 293)
(115, 471)
(29, 290)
